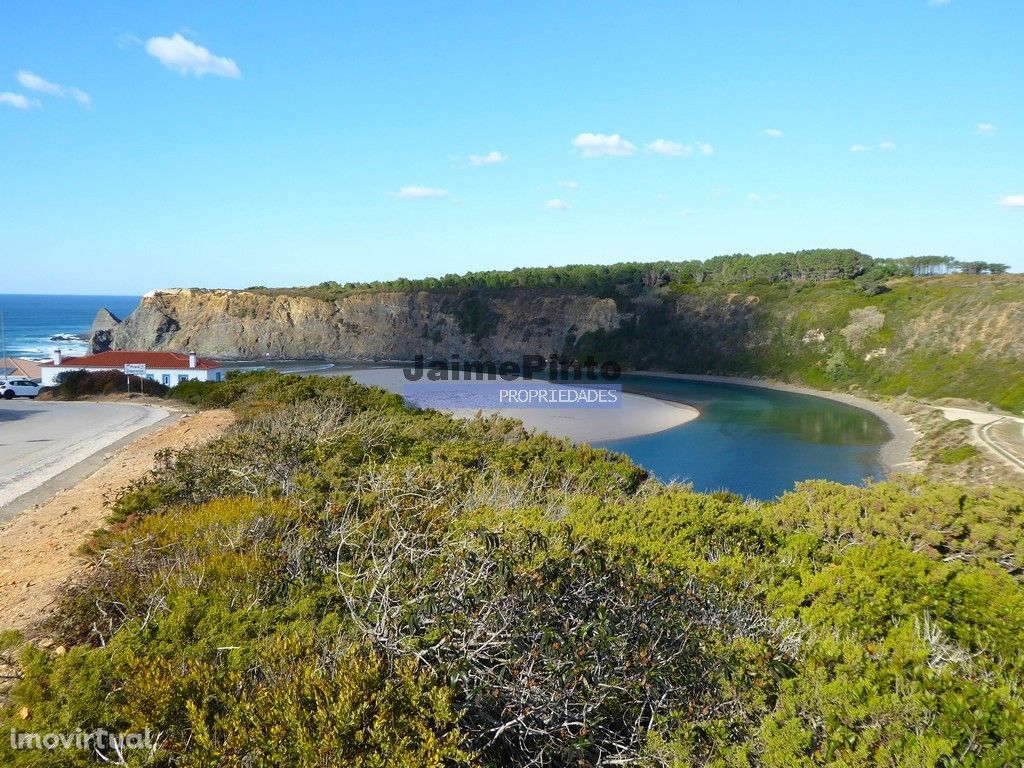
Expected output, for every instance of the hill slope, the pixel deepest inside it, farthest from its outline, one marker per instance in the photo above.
(341, 580)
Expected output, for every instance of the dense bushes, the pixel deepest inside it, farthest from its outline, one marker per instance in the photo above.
(343, 581)
(626, 279)
(74, 384)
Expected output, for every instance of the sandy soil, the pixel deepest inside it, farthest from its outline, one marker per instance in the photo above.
(635, 415)
(38, 548)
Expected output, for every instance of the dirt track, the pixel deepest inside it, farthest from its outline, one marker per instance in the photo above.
(38, 549)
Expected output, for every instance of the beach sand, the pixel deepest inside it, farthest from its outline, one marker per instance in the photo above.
(636, 415)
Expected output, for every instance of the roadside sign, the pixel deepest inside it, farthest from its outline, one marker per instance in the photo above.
(135, 369)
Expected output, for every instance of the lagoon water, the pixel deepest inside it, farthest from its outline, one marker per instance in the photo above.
(756, 442)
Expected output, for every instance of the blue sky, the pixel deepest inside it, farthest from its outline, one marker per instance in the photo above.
(230, 144)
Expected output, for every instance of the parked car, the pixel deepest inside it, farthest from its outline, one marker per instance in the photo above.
(12, 388)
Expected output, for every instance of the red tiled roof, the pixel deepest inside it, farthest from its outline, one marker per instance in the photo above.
(120, 359)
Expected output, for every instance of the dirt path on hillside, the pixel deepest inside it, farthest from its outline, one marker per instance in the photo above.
(38, 549)
(1000, 434)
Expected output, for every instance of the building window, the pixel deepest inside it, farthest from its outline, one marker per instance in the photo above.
(166, 378)
(182, 377)
(219, 375)
(150, 376)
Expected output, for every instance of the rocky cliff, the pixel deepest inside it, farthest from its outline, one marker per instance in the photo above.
(364, 326)
(101, 334)
(956, 336)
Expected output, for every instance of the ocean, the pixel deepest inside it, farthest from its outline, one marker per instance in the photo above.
(35, 325)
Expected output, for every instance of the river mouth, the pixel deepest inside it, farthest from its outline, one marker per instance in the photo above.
(754, 441)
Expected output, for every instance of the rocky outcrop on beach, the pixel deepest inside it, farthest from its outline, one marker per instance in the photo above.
(364, 326)
(101, 334)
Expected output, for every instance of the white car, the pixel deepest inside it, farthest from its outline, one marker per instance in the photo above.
(12, 388)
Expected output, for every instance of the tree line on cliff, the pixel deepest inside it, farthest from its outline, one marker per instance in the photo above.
(635, 278)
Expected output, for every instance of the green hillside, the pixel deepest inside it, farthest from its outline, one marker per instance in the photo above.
(952, 336)
(341, 580)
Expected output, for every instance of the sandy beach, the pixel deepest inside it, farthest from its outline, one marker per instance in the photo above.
(895, 454)
(636, 415)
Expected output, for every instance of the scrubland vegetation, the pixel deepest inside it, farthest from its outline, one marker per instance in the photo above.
(341, 580)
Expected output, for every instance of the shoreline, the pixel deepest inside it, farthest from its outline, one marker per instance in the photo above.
(638, 415)
(894, 454)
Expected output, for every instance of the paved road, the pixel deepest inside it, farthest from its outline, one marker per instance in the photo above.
(40, 441)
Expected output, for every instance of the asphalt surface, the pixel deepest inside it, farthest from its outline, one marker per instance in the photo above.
(43, 442)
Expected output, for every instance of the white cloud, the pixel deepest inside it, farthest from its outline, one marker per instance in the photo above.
(603, 145)
(985, 129)
(421, 193)
(687, 213)
(186, 57)
(17, 100)
(886, 145)
(491, 158)
(859, 148)
(755, 198)
(1012, 201)
(124, 40)
(773, 133)
(556, 205)
(34, 82)
(705, 149)
(569, 184)
(668, 148)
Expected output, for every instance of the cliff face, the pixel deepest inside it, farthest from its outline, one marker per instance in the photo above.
(370, 326)
(957, 336)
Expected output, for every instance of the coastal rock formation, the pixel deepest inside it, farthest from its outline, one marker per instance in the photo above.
(959, 335)
(101, 334)
(364, 326)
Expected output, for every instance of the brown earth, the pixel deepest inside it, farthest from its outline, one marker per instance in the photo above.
(39, 548)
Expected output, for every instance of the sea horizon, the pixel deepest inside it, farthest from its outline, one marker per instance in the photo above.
(35, 324)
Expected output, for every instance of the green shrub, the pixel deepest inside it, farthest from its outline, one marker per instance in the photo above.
(72, 385)
(342, 580)
(958, 454)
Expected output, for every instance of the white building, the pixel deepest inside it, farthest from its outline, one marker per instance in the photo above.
(167, 368)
